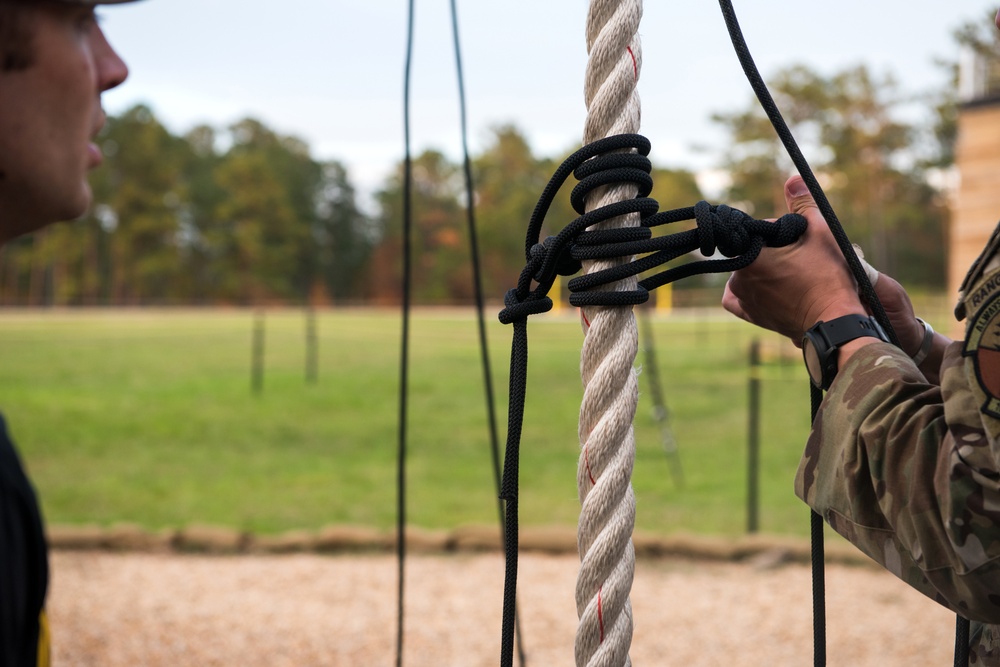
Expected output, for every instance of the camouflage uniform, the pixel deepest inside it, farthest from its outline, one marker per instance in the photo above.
(909, 471)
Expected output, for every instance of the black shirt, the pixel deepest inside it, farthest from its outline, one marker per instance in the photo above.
(24, 567)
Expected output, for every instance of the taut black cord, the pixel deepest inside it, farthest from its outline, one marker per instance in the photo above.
(407, 296)
(404, 362)
(478, 288)
(961, 642)
(781, 128)
(733, 233)
(865, 288)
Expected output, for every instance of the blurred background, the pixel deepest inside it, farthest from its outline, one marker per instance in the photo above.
(217, 339)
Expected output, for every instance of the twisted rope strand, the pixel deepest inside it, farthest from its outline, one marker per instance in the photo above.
(611, 393)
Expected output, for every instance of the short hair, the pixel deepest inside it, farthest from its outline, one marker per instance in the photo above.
(16, 36)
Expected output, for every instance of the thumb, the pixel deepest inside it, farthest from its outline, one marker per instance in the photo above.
(800, 201)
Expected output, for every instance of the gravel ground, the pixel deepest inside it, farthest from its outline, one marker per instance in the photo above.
(118, 609)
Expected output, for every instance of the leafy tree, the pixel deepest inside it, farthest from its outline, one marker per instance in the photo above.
(134, 223)
(255, 237)
(440, 258)
(864, 157)
(508, 182)
(177, 221)
(981, 37)
(981, 43)
(342, 235)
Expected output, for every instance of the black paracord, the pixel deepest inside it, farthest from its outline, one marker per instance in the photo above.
(866, 290)
(480, 309)
(732, 233)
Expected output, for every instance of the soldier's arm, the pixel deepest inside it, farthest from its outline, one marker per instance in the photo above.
(906, 471)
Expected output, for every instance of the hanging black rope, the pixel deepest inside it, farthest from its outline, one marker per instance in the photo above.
(404, 357)
(407, 294)
(865, 289)
(732, 233)
(484, 354)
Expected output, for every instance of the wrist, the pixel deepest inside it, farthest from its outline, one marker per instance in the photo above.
(848, 349)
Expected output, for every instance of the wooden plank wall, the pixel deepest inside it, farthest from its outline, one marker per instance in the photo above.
(977, 205)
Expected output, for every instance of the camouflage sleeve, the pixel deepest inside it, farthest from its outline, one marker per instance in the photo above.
(907, 472)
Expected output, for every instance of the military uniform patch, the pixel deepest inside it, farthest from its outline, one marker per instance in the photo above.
(982, 344)
(972, 293)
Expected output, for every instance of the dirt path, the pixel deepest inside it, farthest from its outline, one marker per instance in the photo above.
(173, 610)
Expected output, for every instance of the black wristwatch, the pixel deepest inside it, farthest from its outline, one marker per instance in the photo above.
(822, 343)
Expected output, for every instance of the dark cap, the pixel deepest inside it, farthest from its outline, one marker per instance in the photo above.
(67, 2)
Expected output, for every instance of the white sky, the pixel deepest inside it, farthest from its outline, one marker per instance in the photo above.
(331, 71)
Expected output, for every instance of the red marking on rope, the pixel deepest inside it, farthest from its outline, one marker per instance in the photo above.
(584, 316)
(586, 461)
(635, 64)
(600, 613)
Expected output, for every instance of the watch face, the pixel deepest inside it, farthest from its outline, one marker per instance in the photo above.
(813, 363)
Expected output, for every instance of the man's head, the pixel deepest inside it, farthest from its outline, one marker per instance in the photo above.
(54, 64)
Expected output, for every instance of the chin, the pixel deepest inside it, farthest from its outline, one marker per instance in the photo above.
(80, 204)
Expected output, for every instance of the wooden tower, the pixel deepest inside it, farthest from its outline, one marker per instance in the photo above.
(977, 155)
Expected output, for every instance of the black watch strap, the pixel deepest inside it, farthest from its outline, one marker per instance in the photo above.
(844, 329)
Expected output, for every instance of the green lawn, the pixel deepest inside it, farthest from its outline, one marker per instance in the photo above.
(147, 416)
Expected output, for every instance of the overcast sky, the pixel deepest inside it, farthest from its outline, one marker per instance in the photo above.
(331, 71)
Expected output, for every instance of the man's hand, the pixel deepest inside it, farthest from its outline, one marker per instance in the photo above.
(908, 330)
(790, 289)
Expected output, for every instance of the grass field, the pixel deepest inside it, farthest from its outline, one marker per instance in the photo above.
(147, 416)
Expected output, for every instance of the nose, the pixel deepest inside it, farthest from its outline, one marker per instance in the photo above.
(111, 69)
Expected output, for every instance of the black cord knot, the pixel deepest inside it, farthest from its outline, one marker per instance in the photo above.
(555, 254)
(722, 228)
(517, 309)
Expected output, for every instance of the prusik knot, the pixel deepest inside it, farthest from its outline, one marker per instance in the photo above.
(616, 160)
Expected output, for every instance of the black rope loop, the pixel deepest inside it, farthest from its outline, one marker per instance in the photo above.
(517, 309)
(610, 169)
(736, 235)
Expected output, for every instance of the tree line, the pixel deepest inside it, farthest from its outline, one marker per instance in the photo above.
(245, 215)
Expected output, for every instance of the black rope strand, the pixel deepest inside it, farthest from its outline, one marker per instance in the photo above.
(478, 290)
(961, 642)
(733, 233)
(404, 345)
(817, 560)
(509, 484)
(865, 288)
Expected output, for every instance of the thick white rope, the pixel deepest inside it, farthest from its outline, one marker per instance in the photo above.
(607, 514)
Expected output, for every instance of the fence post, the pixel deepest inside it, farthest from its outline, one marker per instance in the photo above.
(753, 439)
(312, 347)
(257, 354)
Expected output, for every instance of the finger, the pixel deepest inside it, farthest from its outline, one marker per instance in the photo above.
(800, 200)
(870, 270)
(893, 297)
